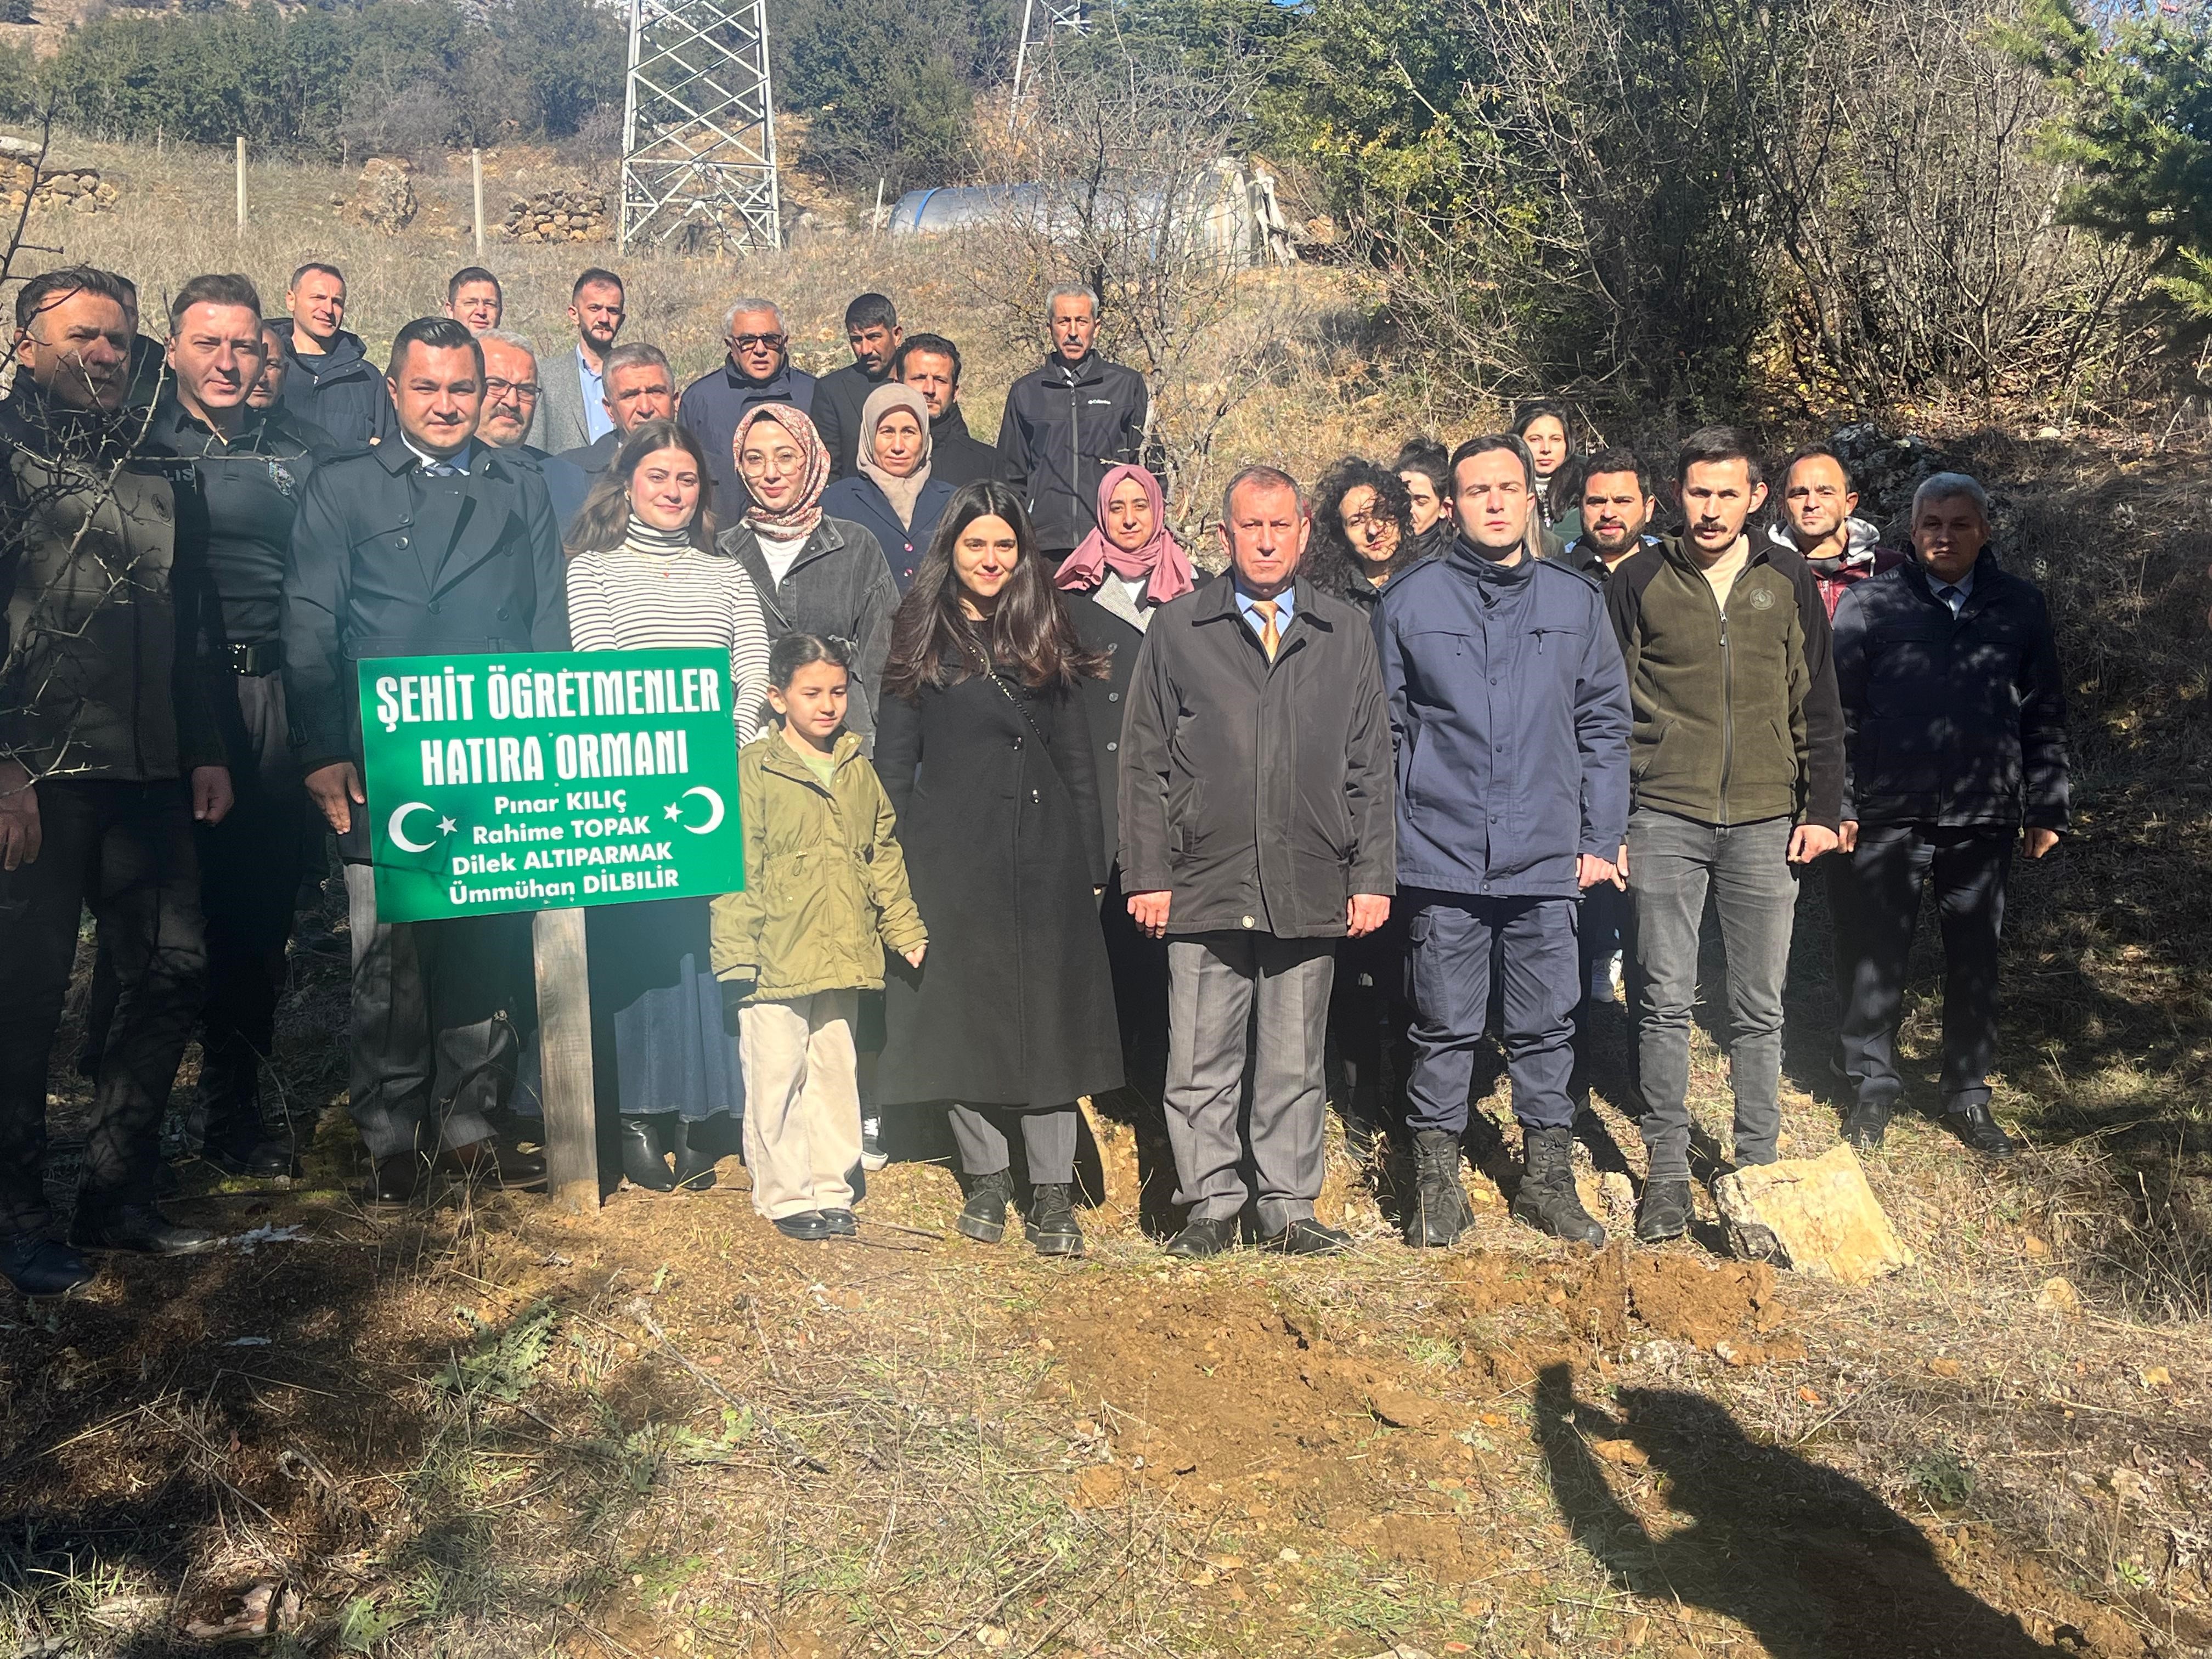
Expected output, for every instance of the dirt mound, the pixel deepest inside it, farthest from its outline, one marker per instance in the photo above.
(1228, 1392)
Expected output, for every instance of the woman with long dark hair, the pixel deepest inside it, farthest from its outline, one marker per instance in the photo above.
(1542, 425)
(1363, 534)
(643, 575)
(985, 750)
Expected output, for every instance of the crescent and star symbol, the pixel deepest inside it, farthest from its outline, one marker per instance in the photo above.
(396, 826)
(714, 810)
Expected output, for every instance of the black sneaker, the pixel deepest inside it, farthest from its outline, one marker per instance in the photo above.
(871, 1144)
(38, 1266)
(1664, 1211)
(841, 1224)
(808, 1226)
(1051, 1224)
(983, 1217)
(139, 1228)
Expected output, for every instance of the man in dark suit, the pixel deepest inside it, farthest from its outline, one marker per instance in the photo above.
(431, 542)
(511, 394)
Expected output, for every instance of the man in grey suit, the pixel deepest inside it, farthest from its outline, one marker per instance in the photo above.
(572, 408)
(1256, 830)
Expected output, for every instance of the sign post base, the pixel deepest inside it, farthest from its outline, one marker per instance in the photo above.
(564, 1041)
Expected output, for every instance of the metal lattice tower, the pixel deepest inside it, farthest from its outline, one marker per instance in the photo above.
(1058, 14)
(699, 126)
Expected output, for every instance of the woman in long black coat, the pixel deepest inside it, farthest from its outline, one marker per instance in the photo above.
(985, 750)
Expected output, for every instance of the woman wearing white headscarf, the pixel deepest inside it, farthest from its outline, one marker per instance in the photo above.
(893, 494)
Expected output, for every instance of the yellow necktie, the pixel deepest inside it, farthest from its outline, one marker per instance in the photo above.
(1270, 636)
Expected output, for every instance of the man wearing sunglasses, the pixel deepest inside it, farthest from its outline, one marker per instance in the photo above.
(757, 371)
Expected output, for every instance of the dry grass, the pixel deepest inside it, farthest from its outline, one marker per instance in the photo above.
(462, 1436)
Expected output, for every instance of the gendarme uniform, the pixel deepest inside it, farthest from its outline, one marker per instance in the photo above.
(397, 554)
(237, 498)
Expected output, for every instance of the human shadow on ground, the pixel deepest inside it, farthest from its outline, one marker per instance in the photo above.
(1812, 1562)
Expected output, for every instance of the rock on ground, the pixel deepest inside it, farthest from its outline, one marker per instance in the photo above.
(1816, 1216)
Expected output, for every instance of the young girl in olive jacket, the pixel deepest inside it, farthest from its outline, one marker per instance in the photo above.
(825, 892)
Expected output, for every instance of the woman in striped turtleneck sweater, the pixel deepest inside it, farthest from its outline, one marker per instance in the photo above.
(643, 575)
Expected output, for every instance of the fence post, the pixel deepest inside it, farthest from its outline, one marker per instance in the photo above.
(241, 185)
(475, 169)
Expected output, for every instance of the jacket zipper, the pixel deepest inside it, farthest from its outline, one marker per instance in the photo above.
(1727, 712)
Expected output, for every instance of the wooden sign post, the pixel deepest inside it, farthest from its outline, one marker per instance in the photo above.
(564, 1047)
(551, 781)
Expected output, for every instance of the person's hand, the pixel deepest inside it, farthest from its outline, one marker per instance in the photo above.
(913, 957)
(1847, 836)
(1365, 912)
(1589, 871)
(1620, 867)
(334, 789)
(1149, 912)
(2039, 841)
(734, 992)
(20, 832)
(1808, 840)
(211, 795)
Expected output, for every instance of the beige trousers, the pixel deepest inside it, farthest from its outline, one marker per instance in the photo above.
(802, 1102)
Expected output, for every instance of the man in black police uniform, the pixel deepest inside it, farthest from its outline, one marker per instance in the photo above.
(238, 501)
(431, 543)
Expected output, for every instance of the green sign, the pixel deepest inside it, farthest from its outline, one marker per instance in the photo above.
(550, 779)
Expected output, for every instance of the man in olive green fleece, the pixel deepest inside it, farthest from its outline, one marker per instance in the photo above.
(1737, 767)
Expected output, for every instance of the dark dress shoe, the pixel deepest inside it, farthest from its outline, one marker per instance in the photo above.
(238, 1146)
(808, 1225)
(645, 1154)
(397, 1179)
(140, 1229)
(841, 1222)
(695, 1163)
(1663, 1211)
(1865, 1124)
(1974, 1126)
(501, 1165)
(1203, 1238)
(1306, 1236)
(983, 1217)
(1051, 1224)
(37, 1265)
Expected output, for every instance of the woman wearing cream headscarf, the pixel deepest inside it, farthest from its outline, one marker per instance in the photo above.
(1124, 571)
(893, 494)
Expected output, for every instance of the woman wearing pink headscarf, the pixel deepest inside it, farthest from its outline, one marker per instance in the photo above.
(1125, 570)
(815, 574)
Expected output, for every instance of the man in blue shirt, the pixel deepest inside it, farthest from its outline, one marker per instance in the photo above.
(1510, 709)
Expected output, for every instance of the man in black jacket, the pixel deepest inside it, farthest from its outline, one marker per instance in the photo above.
(108, 755)
(331, 383)
(1256, 831)
(1954, 713)
(757, 371)
(248, 468)
(1067, 423)
(432, 542)
(930, 363)
(871, 329)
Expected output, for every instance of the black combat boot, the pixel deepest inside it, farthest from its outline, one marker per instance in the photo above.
(1548, 1201)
